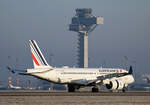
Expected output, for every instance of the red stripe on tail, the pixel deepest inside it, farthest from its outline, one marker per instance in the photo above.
(36, 62)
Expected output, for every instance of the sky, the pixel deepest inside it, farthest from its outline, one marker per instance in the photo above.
(125, 32)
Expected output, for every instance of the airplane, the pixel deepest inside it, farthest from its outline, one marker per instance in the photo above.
(11, 86)
(76, 78)
(14, 87)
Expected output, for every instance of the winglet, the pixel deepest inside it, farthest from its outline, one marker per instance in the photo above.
(130, 70)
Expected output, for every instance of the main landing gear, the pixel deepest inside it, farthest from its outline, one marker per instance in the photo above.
(71, 88)
(123, 90)
(95, 89)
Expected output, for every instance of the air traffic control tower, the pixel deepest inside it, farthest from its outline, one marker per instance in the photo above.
(83, 23)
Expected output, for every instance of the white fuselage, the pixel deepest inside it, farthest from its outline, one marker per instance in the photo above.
(79, 76)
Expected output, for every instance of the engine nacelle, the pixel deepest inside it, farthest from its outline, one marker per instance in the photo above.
(115, 85)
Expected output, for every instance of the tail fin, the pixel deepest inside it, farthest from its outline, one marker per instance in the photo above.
(38, 58)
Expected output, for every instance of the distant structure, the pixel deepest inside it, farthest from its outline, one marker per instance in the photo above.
(10, 83)
(83, 23)
(146, 77)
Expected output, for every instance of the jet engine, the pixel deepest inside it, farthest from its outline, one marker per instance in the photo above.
(115, 85)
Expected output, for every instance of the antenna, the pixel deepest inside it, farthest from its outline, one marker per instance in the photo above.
(16, 75)
(10, 73)
(126, 62)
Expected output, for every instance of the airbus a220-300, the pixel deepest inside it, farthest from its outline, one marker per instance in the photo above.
(76, 78)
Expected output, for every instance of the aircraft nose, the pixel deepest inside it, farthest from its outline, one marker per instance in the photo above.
(133, 80)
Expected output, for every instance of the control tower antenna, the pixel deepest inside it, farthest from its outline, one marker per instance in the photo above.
(83, 23)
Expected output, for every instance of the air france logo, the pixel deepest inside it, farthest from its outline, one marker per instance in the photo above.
(116, 71)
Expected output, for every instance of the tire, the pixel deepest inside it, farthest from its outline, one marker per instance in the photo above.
(95, 89)
(123, 90)
(71, 88)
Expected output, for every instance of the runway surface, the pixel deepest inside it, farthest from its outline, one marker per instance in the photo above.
(62, 93)
(77, 98)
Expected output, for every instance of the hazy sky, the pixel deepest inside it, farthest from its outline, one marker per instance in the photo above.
(125, 32)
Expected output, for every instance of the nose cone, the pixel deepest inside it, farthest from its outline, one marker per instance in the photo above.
(132, 79)
(128, 79)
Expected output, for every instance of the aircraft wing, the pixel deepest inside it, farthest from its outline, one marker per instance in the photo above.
(99, 79)
(108, 76)
(84, 81)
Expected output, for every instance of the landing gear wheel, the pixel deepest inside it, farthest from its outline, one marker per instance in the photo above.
(71, 88)
(95, 89)
(123, 90)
